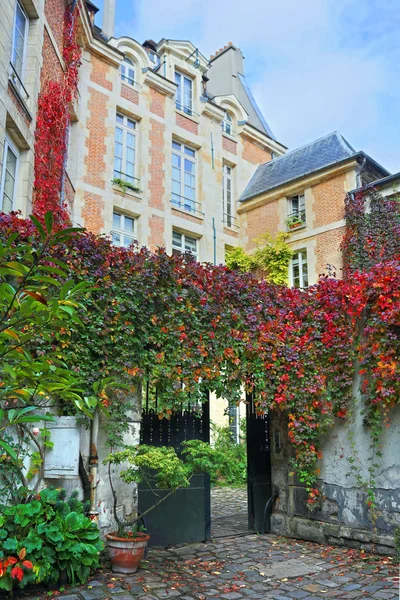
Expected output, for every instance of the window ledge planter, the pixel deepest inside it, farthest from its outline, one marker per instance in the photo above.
(126, 188)
(292, 224)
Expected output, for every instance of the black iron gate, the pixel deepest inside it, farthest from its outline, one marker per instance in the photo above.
(258, 467)
(184, 516)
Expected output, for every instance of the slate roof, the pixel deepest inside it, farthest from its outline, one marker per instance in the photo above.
(320, 154)
(256, 118)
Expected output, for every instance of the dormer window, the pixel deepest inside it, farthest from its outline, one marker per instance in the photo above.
(155, 59)
(184, 93)
(227, 124)
(127, 70)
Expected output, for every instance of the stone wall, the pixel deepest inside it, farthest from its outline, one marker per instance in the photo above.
(126, 494)
(344, 517)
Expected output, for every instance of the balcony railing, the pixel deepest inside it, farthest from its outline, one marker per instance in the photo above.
(230, 221)
(125, 181)
(17, 82)
(296, 219)
(227, 129)
(131, 81)
(186, 204)
(186, 109)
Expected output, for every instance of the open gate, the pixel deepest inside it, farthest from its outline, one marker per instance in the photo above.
(185, 516)
(259, 486)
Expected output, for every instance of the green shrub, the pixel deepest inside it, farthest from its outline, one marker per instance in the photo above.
(53, 536)
(230, 457)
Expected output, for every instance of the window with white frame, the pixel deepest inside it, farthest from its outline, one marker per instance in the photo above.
(8, 177)
(155, 59)
(227, 124)
(183, 177)
(19, 44)
(227, 195)
(299, 269)
(124, 230)
(125, 150)
(184, 93)
(296, 211)
(184, 244)
(127, 70)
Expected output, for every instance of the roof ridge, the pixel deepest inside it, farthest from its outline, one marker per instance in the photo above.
(324, 137)
(344, 142)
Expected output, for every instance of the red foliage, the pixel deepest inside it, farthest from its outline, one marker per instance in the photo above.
(53, 117)
(188, 327)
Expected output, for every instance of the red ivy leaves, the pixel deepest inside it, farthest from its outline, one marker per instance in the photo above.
(188, 327)
(53, 117)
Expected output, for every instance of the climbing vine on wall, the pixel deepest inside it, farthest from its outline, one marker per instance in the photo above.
(270, 259)
(186, 327)
(53, 118)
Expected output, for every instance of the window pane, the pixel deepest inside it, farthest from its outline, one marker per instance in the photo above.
(120, 118)
(190, 244)
(189, 166)
(116, 220)
(128, 240)
(119, 135)
(177, 239)
(116, 239)
(129, 224)
(176, 187)
(187, 93)
(176, 161)
(176, 146)
(190, 151)
(131, 124)
(9, 181)
(117, 167)
(130, 140)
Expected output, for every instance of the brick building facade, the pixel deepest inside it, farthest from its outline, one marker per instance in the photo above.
(161, 160)
(167, 147)
(303, 193)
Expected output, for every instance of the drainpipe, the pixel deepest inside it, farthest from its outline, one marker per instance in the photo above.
(93, 464)
(215, 242)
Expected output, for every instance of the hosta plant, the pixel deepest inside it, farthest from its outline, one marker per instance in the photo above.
(50, 537)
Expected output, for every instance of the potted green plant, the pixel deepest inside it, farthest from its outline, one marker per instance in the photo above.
(293, 222)
(166, 471)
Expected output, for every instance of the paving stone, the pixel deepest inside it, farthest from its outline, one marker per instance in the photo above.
(167, 593)
(93, 594)
(351, 587)
(252, 567)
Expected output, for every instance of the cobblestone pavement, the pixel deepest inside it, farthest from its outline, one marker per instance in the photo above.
(251, 567)
(228, 511)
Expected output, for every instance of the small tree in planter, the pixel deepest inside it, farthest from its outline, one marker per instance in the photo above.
(161, 468)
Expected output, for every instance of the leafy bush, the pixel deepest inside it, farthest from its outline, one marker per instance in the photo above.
(161, 466)
(270, 260)
(46, 537)
(230, 458)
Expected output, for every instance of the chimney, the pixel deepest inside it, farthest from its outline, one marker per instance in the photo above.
(109, 17)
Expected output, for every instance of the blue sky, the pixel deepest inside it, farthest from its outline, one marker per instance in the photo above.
(314, 65)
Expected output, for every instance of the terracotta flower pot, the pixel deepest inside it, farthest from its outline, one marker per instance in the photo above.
(126, 553)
